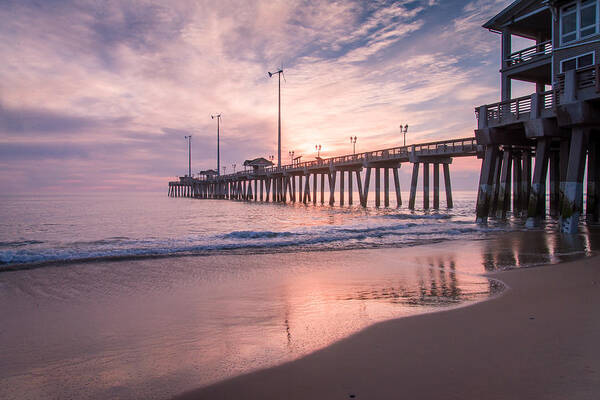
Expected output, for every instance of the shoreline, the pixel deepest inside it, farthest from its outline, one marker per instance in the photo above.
(535, 339)
(282, 249)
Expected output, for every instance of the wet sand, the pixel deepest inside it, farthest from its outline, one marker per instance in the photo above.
(540, 339)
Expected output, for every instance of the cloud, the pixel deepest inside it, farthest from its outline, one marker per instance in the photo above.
(105, 87)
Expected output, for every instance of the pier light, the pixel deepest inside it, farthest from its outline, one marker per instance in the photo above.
(318, 150)
(403, 130)
(353, 141)
(189, 139)
(291, 154)
(234, 165)
(218, 117)
(279, 73)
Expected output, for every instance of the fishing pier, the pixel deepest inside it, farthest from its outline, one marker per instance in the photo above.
(537, 151)
(303, 182)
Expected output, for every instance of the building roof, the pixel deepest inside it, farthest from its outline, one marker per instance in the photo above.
(526, 18)
(257, 162)
(209, 172)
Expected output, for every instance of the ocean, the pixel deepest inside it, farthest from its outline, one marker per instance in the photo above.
(144, 296)
(54, 228)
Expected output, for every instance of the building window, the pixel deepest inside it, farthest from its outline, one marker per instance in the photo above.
(582, 61)
(579, 20)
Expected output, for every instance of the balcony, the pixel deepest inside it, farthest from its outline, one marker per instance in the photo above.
(534, 53)
(580, 85)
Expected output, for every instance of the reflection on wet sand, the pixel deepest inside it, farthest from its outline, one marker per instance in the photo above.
(159, 327)
(529, 248)
(437, 284)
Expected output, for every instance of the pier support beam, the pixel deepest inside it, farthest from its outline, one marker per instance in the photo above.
(554, 182)
(517, 183)
(359, 187)
(386, 187)
(322, 189)
(365, 195)
(350, 188)
(526, 180)
(486, 177)
(573, 195)
(436, 186)
(397, 187)
(593, 184)
(537, 198)
(315, 183)
(341, 188)
(426, 186)
(413, 186)
(496, 184)
(377, 187)
(503, 205)
(332, 178)
(448, 186)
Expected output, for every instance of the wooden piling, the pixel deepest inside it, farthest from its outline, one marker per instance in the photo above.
(332, 178)
(426, 186)
(314, 197)
(365, 196)
(386, 187)
(448, 186)
(350, 188)
(322, 189)
(413, 186)
(359, 187)
(397, 187)
(341, 187)
(377, 187)
(436, 186)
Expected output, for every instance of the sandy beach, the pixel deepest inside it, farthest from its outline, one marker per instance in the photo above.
(538, 340)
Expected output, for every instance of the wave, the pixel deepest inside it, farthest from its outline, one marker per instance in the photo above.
(20, 243)
(318, 238)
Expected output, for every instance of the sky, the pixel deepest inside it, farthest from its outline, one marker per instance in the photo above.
(98, 95)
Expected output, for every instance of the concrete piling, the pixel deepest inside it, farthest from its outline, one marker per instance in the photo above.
(537, 197)
(573, 194)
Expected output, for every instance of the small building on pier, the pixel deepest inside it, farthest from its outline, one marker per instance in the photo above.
(258, 164)
(557, 126)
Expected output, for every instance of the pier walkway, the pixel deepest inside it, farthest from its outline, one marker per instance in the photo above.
(299, 182)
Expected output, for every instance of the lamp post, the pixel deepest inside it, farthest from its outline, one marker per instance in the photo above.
(353, 141)
(279, 73)
(404, 132)
(224, 169)
(291, 154)
(318, 150)
(234, 165)
(189, 139)
(218, 117)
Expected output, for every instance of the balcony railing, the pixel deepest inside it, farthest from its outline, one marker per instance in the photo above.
(514, 110)
(529, 54)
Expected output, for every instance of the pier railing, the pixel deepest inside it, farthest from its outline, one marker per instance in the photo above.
(453, 147)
